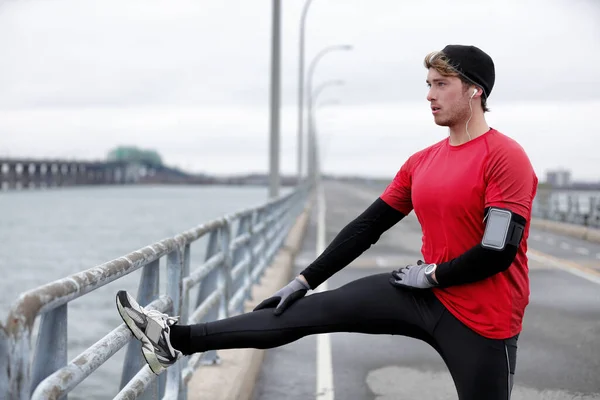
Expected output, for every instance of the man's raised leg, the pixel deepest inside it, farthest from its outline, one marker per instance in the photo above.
(369, 305)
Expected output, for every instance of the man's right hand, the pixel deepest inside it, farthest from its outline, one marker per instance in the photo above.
(285, 296)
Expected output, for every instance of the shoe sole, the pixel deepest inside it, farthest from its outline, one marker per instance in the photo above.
(147, 347)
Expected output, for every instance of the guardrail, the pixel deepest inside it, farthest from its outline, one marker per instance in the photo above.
(233, 262)
(565, 206)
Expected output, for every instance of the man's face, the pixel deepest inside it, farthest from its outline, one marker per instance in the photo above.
(449, 101)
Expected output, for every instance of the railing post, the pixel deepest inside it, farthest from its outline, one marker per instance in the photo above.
(185, 301)
(576, 209)
(15, 348)
(274, 228)
(252, 259)
(265, 237)
(224, 277)
(283, 217)
(237, 256)
(594, 212)
(267, 234)
(208, 285)
(288, 214)
(51, 348)
(4, 361)
(174, 290)
(258, 238)
(147, 292)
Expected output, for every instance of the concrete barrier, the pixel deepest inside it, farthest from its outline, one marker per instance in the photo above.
(235, 377)
(563, 228)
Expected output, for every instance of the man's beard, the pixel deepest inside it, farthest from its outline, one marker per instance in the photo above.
(458, 114)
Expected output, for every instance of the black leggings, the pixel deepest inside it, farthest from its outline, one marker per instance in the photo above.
(479, 366)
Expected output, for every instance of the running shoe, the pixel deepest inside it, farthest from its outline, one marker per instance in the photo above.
(152, 328)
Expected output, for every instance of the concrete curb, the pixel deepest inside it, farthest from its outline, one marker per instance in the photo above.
(235, 377)
(576, 231)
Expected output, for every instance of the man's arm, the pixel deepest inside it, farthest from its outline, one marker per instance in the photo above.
(494, 254)
(353, 240)
(480, 261)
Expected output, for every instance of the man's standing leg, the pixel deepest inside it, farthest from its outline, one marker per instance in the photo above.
(481, 368)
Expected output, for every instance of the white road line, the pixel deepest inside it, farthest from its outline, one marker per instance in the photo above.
(537, 237)
(549, 240)
(598, 256)
(565, 246)
(324, 365)
(565, 266)
(582, 250)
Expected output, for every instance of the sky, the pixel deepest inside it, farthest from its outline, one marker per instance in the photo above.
(191, 79)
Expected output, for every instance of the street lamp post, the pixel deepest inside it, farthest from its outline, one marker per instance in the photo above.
(274, 178)
(320, 142)
(311, 71)
(312, 148)
(301, 88)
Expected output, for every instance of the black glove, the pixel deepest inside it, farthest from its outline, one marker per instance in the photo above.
(412, 276)
(284, 297)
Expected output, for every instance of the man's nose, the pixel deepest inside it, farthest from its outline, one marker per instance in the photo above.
(430, 95)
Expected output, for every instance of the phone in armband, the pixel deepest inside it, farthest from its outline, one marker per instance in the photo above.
(501, 230)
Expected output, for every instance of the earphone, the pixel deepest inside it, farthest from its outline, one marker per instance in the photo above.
(470, 108)
(471, 113)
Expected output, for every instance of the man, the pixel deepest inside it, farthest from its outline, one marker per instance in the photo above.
(472, 193)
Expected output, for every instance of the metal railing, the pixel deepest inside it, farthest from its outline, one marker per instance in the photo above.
(568, 206)
(239, 248)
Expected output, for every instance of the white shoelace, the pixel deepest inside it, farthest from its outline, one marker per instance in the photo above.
(162, 317)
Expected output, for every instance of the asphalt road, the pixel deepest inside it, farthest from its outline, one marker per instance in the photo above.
(559, 348)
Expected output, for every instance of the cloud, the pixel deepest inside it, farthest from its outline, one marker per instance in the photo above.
(192, 78)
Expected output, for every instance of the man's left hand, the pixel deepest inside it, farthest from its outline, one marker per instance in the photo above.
(411, 276)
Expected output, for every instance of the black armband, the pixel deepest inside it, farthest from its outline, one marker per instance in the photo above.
(352, 241)
(498, 248)
(502, 228)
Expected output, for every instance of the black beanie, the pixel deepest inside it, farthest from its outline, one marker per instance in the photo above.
(473, 64)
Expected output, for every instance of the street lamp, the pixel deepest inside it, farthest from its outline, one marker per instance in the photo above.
(301, 87)
(311, 71)
(327, 103)
(321, 87)
(275, 95)
(315, 112)
(312, 140)
(315, 96)
(319, 139)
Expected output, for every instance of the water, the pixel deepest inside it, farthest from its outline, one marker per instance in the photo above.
(47, 235)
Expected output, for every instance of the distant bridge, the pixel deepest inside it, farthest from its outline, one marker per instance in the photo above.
(31, 173)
